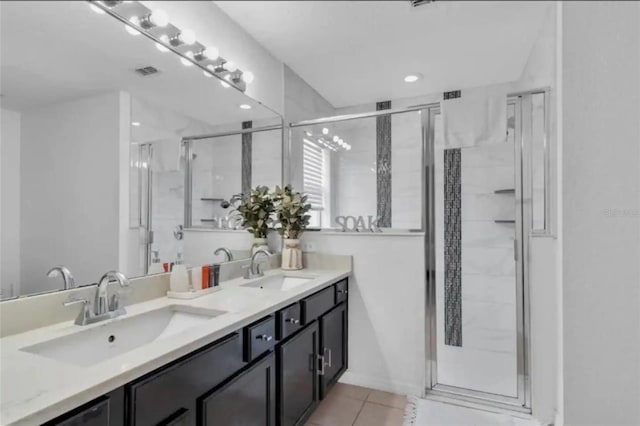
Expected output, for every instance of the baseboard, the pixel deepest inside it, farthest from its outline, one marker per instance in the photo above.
(371, 382)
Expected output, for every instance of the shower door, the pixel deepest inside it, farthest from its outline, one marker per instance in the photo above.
(476, 302)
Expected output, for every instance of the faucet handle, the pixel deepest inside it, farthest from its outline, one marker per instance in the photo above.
(75, 302)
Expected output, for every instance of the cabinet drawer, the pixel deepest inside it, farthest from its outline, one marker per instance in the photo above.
(317, 304)
(342, 288)
(288, 321)
(96, 413)
(158, 396)
(259, 337)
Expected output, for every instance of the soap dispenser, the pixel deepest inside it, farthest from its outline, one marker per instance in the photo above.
(156, 265)
(179, 280)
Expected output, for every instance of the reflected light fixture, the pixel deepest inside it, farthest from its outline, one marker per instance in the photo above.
(135, 123)
(96, 9)
(325, 131)
(135, 21)
(164, 39)
(186, 62)
(245, 106)
(412, 78)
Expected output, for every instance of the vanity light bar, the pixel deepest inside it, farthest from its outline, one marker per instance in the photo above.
(155, 25)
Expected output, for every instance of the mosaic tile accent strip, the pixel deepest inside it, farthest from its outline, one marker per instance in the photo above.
(247, 147)
(383, 166)
(452, 247)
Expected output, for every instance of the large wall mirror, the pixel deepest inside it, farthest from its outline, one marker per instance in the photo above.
(94, 121)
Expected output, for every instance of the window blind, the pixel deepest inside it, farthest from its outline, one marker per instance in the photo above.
(313, 174)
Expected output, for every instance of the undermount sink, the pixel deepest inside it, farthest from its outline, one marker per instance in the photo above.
(280, 282)
(89, 347)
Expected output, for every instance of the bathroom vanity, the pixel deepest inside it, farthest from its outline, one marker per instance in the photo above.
(268, 358)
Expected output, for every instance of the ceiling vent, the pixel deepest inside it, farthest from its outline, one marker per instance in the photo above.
(147, 71)
(416, 3)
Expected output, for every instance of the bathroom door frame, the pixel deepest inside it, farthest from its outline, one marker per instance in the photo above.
(522, 402)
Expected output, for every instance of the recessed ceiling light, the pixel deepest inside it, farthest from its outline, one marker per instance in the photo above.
(135, 123)
(245, 106)
(412, 78)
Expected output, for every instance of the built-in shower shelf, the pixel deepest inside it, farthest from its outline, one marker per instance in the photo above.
(211, 199)
(505, 221)
(505, 191)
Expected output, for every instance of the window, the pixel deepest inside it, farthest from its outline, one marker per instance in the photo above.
(315, 181)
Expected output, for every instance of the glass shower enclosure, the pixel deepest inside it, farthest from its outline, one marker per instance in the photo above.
(479, 218)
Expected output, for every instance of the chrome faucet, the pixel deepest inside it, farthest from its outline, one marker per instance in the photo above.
(101, 304)
(253, 270)
(102, 309)
(67, 277)
(226, 251)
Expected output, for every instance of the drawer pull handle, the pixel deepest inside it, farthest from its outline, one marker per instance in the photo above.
(293, 320)
(265, 337)
(321, 370)
(327, 354)
(343, 291)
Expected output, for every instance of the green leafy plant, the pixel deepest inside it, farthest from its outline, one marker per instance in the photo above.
(291, 211)
(256, 209)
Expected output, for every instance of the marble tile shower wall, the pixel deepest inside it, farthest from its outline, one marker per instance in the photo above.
(488, 273)
(354, 180)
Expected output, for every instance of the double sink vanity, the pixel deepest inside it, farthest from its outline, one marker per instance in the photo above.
(257, 352)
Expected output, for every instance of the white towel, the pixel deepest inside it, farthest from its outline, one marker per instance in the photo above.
(479, 117)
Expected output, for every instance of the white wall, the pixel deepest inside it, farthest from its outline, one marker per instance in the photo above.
(386, 308)
(70, 203)
(601, 219)
(10, 203)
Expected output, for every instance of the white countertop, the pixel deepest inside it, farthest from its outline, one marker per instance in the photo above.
(35, 389)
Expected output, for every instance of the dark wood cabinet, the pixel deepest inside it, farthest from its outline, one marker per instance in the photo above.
(272, 372)
(108, 410)
(248, 399)
(169, 395)
(333, 346)
(297, 383)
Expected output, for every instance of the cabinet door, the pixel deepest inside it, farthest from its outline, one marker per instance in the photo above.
(246, 400)
(157, 398)
(333, 347)
(297, 381)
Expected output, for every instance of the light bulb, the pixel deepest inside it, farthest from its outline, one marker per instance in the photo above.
(96, 9)
(135, 21)
(325, 131)
(230, 66)
(187, 36)
(186, 62)
(248, 77)
(336, 138)
(245, 106)
(211, 53)
(159, 18)
(348, 147)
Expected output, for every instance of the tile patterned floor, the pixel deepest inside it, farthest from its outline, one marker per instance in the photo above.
(348, 405)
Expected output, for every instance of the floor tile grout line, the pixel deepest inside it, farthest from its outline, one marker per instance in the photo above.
(385, 405)
(359, 412)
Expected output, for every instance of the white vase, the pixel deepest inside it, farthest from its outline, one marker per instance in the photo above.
(259, 244)
(291, 255)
